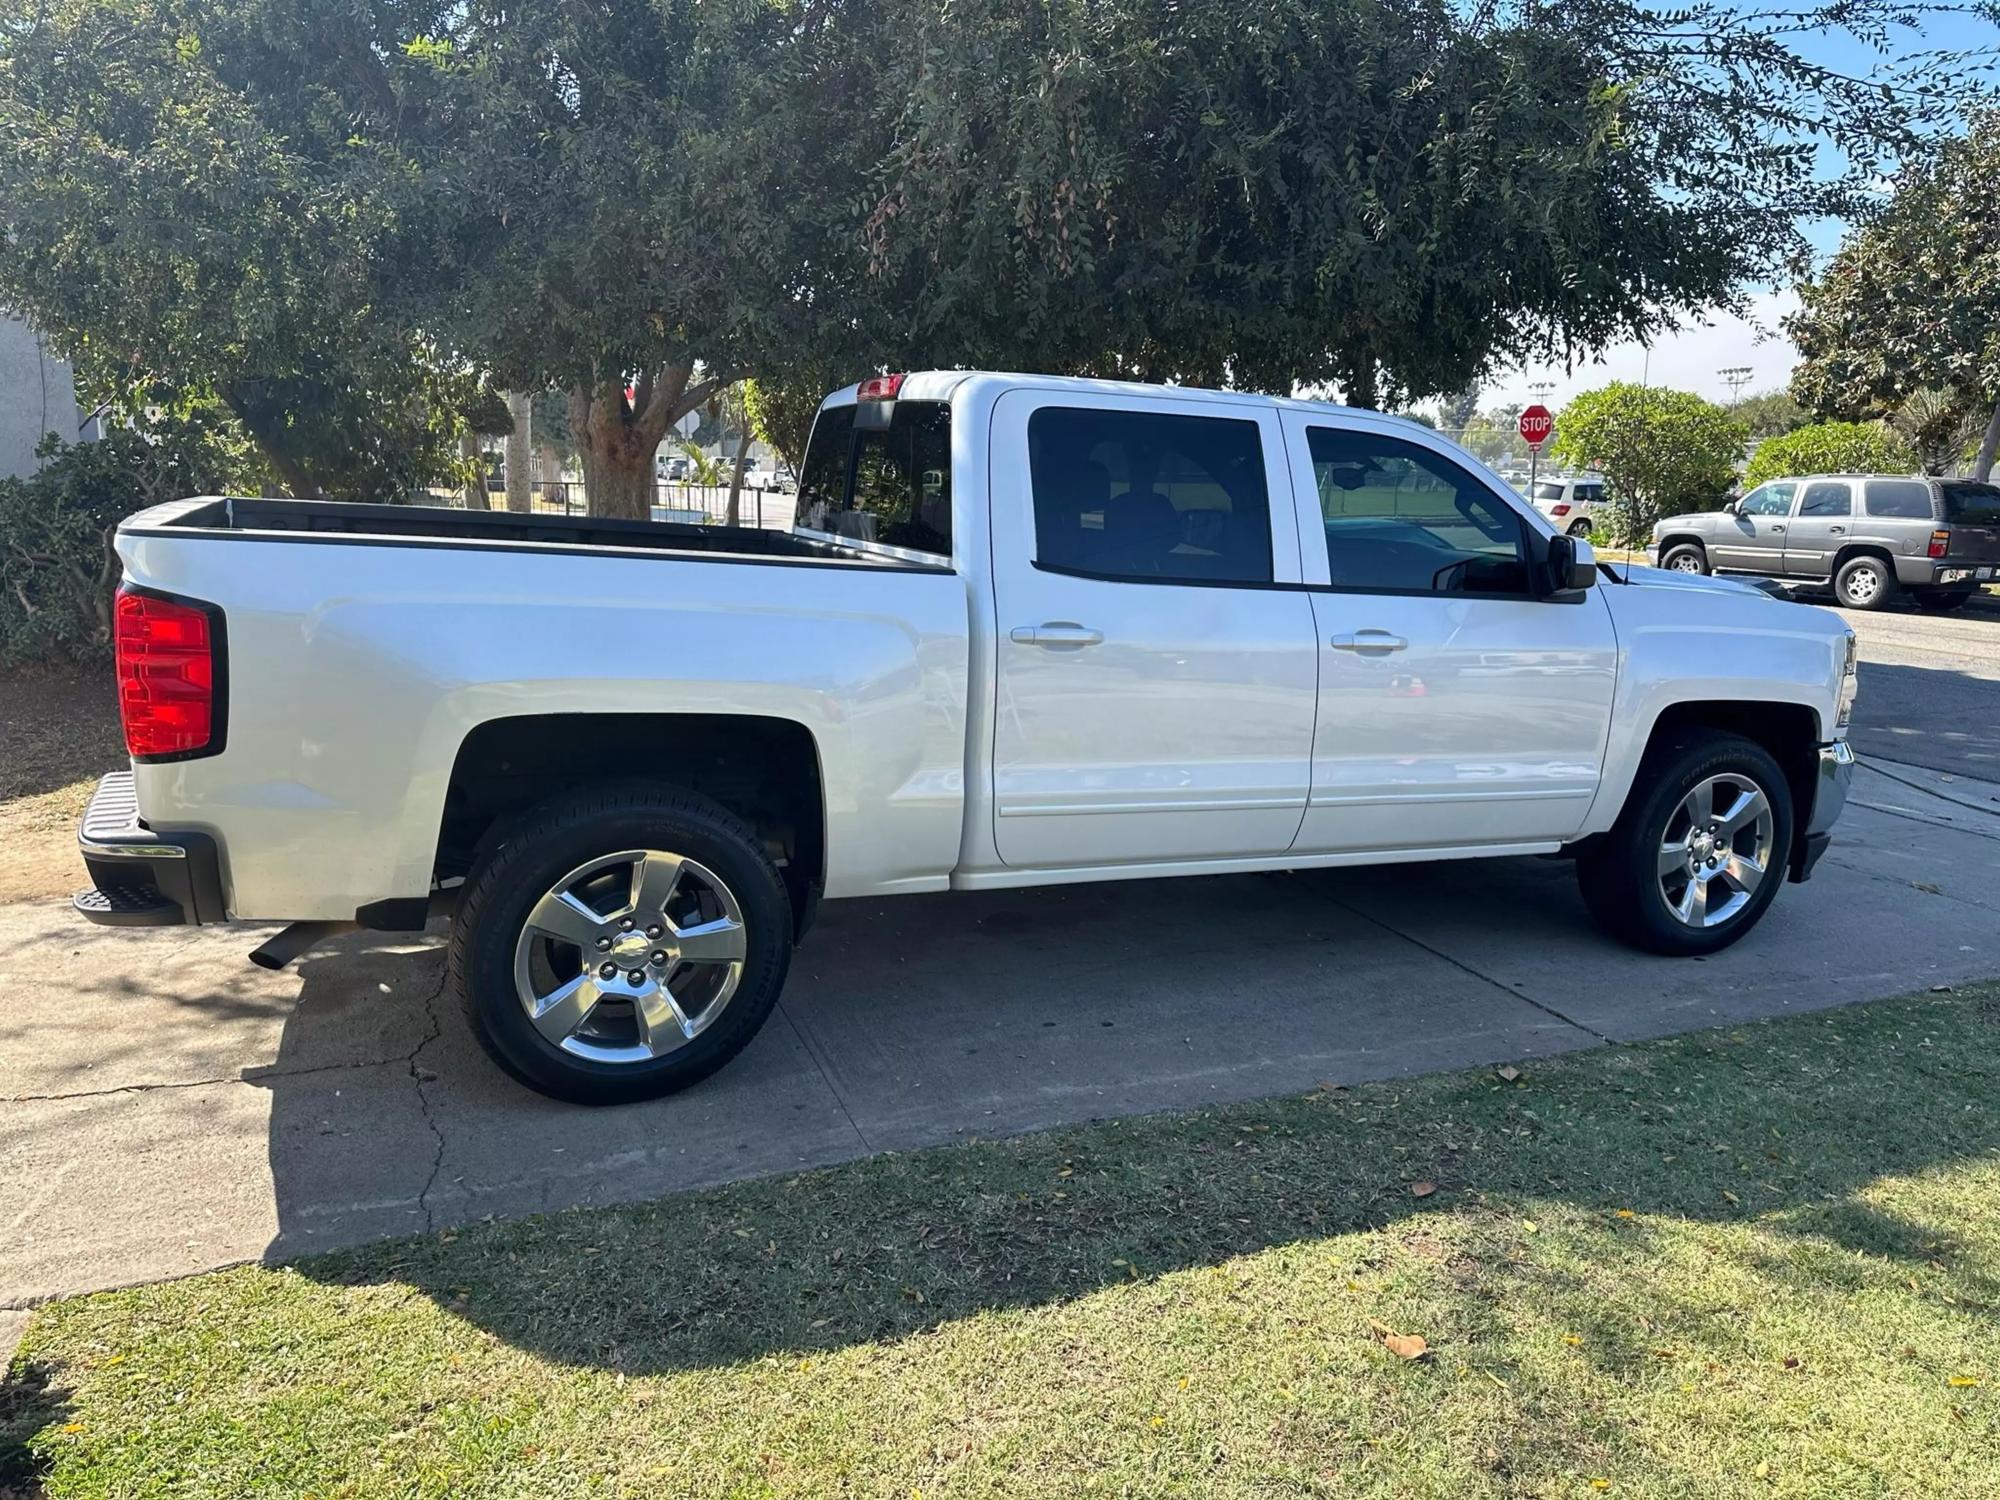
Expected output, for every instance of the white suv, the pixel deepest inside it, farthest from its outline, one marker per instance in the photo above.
(1570, 501)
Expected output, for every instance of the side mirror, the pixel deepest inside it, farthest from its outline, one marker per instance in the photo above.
(1733, 508)
(1568, 568)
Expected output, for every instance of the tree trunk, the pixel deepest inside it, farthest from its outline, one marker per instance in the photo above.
(617, 438)
(270, 444)
(736, 477)
(474, 490)
(520, 452)
(1359, 387)
(1982, 467)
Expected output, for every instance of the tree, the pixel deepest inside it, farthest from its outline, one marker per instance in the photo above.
(1458, 408)
(1389, 198)
(520, 451)
(1831, 448)
(1660, 451)
(172, 239)
(1768, 413)
(1911, 300)
(1937, 428)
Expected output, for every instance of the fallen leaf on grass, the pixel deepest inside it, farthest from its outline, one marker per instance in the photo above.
(1402, 1345)
(1422, 1189)
(1507, 1072)
(1531, 1226)
(1963, 1380)
(1791, 1361)
(1731, 1196)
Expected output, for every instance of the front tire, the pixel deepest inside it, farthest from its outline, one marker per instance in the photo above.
(621, 943)
(1687, 557)
(1864, 583)
(1699, 852)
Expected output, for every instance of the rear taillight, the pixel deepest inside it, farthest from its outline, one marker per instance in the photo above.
(167, 670)
(1558, 510)
(879, 388)
(1940, 543)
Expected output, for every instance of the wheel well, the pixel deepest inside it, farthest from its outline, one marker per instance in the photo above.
(1853, 550)
(764, 770)
(1668, 543)
(1790, 731)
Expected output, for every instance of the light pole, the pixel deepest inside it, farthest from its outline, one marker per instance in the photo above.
(1735, 377)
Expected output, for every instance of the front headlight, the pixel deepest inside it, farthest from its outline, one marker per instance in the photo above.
(1850, 681)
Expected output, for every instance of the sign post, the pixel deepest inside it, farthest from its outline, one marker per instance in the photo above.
(1536, 428)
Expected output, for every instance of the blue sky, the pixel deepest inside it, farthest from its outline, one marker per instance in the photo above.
(1692, 358)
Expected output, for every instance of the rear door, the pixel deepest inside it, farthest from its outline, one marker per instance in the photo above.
(1753, 539)
(1156, 676)
(1820, 525)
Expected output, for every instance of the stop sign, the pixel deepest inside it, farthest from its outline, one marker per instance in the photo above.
(1536, 425)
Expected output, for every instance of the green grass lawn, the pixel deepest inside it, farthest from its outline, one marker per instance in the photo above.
(1762, 1261)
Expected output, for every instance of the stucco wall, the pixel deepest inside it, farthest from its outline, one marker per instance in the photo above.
(36, 396)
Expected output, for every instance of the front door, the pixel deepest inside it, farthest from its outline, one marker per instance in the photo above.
(1455, 710)
(1819, 526)
(1753, 539)
(1155, 672)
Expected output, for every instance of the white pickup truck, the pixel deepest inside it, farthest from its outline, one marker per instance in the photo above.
(1026, 630)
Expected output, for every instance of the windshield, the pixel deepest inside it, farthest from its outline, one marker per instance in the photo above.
(1973, 503)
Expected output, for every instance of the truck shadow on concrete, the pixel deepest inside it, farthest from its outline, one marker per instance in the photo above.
(1948, 721)
(930, 1021)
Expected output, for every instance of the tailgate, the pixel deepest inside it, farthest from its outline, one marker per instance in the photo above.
(1972, 512)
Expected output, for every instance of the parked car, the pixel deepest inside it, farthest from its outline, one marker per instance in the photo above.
(675, 470)
(1027, 631)
(1570, 501)
(1868, 536)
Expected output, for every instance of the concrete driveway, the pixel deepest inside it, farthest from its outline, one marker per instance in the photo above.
(169, 1108)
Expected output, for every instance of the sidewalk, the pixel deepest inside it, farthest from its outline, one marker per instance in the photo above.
(172, 1108)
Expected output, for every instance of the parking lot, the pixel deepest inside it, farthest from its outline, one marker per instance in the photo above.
(172, 1108)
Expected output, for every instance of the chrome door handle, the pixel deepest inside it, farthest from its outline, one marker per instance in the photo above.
(1057, 635)
(1835, 530)
(1367, 641)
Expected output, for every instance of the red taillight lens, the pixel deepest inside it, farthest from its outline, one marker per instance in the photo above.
(1940, 543)
(1558, 510)
(166, 675)
(880, 388)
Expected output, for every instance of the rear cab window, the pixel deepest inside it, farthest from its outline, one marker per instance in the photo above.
(887, 484)
(1899, 499)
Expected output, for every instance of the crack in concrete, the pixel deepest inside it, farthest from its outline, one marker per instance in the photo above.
(250, 1076)
(825, 1077)
(419, 1077)
(1505, 989)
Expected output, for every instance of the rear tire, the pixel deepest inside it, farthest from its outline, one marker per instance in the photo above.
(1580, 527)
(1687, 557)
(1864, 582)
(1636, 880)
(1941, 603)
(548, 912)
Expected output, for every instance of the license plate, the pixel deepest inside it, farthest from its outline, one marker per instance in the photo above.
(1959, 575)
(1986, 575)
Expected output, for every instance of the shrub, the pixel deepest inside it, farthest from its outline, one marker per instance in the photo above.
(57, 565)
(1660, 451)
(1831, 448)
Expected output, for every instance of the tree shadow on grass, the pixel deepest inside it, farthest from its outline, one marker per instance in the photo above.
(1784, 1124)
(29, 1404)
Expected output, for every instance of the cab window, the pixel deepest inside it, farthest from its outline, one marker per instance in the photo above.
(1826, 497)
(1399, 518)
(1768, 500)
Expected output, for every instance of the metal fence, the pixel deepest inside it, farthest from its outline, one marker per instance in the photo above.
(700, 505)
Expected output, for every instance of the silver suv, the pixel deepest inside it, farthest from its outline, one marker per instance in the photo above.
(1868, 535)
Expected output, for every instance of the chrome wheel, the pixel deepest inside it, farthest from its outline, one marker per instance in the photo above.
(1687, 562)
(1716, 849)
(630, 956)
(1863, 585)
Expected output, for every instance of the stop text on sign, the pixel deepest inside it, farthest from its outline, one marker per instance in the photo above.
(1536, 425)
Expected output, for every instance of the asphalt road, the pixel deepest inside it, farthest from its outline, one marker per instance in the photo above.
(1930, 687)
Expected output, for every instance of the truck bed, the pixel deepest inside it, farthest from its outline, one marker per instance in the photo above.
(440, 525)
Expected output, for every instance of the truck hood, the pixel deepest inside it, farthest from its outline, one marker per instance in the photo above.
(1660, 578)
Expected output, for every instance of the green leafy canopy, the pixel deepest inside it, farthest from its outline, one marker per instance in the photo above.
(1831, 448)
(1661, 451)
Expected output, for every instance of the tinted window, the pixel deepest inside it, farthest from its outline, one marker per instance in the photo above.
(1904, 499)
(1590, 494)
(1399, 517)
(1975, 504)
(890, 485)
(1770, 500)
(1826, 498)
(1126, 494)
(1549, 489)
